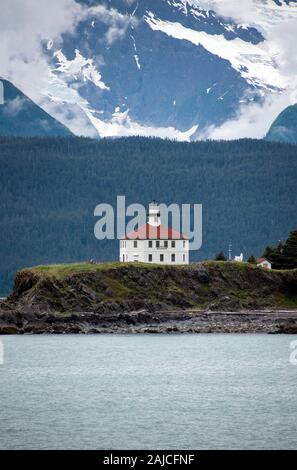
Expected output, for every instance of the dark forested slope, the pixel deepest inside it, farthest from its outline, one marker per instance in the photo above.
(21, 117)
(284, 128)
(50, 187)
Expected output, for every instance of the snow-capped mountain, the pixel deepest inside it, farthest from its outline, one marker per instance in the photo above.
(171, 68)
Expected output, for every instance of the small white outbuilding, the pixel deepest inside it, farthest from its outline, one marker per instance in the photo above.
(263, 263)
(155, 243)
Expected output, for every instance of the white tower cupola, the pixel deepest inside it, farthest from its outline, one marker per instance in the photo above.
(154, 214)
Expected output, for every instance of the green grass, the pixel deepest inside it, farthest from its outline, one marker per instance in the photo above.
(222, 264)
(64, 270)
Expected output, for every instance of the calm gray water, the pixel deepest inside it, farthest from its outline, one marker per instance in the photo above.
(148, 391)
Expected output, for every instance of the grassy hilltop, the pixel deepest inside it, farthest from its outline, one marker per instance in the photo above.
(117, 297)
(227, 285)
(105, 293)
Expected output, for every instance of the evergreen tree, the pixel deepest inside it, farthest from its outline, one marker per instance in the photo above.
(269, 252)
(289, 252)
(220, 256)
(252, 260)
(284, 255)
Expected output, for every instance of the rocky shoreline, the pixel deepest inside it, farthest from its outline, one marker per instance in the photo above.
(200, 298)
(157, 322)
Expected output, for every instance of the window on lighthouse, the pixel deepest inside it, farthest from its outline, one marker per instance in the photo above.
(150, 257)
(135, 243)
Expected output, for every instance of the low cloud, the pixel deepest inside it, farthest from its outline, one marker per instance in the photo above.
(73, 117)
(26, 25)
(14, 106)
(252, 120)
(117, 22)
(241, 12)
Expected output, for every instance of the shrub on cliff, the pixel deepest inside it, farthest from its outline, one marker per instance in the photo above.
(220, 256)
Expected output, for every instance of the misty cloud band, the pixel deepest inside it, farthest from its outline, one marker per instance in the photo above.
(1, 93)
(1, 353)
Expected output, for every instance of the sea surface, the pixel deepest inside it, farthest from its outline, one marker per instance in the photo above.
(148, 391)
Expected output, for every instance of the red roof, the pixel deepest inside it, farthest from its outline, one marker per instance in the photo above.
(159, 232)
(260, 260)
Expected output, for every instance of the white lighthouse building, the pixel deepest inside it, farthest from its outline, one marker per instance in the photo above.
(155, 243)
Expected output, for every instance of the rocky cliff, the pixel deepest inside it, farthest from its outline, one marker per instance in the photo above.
(208, 296)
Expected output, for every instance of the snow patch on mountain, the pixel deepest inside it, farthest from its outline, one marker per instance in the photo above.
(122, 125)
(137, 61)
(135, 55)
(79, 67)
(252, 61)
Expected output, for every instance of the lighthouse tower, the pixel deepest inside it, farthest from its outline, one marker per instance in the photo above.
(154, 214)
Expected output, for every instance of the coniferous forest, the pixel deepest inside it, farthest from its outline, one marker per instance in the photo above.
(50, 187)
